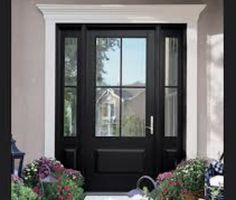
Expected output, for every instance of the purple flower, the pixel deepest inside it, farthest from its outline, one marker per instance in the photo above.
(73, 174)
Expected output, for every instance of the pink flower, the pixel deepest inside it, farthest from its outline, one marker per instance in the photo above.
(58, 167)
(69, 196)
(60, 197)
(36, 189)
(163, 176)
(67, 188)
(184, 190)
(16, 179)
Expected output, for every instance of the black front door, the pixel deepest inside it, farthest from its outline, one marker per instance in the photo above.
(120, 102)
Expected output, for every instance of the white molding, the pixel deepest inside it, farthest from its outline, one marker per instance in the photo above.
(153, 13)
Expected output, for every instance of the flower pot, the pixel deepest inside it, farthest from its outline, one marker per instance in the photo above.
(189, 195)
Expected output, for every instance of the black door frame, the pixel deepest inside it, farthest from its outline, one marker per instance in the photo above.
(165, 143)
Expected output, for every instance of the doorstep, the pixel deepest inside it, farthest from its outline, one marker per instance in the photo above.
(107, 196)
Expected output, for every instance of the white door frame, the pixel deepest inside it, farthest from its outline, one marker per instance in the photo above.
(153, 13)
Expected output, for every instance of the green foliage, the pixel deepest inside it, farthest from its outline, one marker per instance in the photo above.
(64, 183)
(21, 192)
(215, 192)
(30, 174)
(65, 188)
(132, 125)
(191, 174)
(168, 189)
(187, 182)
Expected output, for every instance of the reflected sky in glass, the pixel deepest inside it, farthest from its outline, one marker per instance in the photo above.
(133, 63)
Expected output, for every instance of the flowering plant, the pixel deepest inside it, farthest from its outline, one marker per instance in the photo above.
(40, 169)
(19, 191)
(185, 182)
(66, 184)
(191, 174)
(169, 188)
(163, 176)
(63, 189)
(16, 179)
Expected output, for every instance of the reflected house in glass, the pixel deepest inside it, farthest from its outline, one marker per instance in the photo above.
(108, 112)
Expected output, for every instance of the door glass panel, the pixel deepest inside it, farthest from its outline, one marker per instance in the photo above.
(133, 112)
(115, 55)
(107, 112)
(133, 61)
(171, 112)
(70, 85)
(107, 61)
(171, 61)
(71, 61)
(70, 111)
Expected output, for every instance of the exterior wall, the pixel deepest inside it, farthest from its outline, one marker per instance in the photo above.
(210, 80)
(28, 74)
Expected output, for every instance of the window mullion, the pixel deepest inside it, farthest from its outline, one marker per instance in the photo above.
(121, 51)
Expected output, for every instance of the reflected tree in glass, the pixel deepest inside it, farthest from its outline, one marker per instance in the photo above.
(133, 112)
(71, 61)
(70, 112)
(107, 61)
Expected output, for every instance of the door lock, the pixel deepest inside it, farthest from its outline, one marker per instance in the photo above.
(151, 128)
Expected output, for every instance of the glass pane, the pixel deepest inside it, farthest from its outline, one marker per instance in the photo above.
(171, 61)
(134, 61)
(133, 112)
(107, 112)
(70, 112)
(108, 61)
(171, 112)
(70, 61)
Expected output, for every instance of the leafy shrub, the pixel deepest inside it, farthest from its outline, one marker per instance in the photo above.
(61, 183)
(40, 169)
(21, 192)
(169, 188)
(186, 182)
(63, 189)
(191, 174)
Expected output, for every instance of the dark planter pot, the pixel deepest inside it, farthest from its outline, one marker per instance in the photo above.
(192, 195)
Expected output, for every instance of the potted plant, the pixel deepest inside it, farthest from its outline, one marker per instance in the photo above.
(21, 192)
(168, 187)
(50, 180)
(191, 176)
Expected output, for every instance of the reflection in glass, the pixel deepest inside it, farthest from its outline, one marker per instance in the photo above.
(70, 61)
(70, 112)
(171, 112)
(107, 61)
(107, 112)
(133, 112)
(171, 61)
(133, 61)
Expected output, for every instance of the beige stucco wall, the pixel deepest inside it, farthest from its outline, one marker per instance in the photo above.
(210, 80)
(28, 74)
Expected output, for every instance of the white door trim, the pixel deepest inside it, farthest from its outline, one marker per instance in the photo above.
(153, 13)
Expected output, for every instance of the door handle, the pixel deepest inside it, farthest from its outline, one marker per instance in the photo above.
(151, 128)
